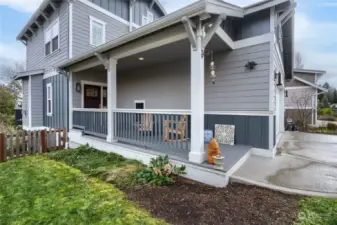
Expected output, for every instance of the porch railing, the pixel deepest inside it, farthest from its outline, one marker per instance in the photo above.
(153, 128)
(91, 121)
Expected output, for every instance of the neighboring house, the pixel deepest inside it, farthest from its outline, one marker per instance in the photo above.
(150, 82)
(301, 94)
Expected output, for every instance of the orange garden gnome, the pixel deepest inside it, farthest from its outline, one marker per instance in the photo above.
(213, 150)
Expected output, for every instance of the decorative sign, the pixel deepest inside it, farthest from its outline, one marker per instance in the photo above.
(208, 135)
(225, 134)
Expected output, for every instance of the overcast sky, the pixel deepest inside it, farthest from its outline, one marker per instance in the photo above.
(315, 30)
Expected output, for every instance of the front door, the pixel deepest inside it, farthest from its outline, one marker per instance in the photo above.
(92, 96)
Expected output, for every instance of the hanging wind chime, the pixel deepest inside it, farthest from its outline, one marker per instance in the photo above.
(212, 68)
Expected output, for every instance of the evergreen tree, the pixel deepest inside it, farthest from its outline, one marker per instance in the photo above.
(325, 102)
(335, 96)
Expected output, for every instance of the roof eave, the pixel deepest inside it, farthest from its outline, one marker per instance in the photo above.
(32, 19)
(172, 18)
(310, 71)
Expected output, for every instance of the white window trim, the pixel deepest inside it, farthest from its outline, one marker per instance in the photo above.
(140, 101)
(99, 84)
(49, 85)
(93, 19)
(150, 13)
(146, 18)
(57, 20)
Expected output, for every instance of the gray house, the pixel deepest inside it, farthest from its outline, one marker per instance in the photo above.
(125, 71)
(301, 94)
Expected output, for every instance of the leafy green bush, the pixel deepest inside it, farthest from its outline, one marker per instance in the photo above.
(325, 112)
(159, 172)
(331, 126)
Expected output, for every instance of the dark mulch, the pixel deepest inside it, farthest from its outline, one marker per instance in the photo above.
(189, 202)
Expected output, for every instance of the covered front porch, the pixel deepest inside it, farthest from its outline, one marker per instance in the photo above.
(151, 99)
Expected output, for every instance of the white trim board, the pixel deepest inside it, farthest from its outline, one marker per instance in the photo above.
(241, 113)
(30, 101)
(50, 74)
(104, 11)
(70, 30)
(298, 87)
(265, 38)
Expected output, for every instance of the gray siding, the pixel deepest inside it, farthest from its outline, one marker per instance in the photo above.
(251, 25)
(81, 27)
(117, 7)
(141, 7)
(36, 58)
(249, 130)
(237, 88)
(307, 77)
(167, 86)
(25, 116)
(37, 101)
(87, 75)
(59, 119)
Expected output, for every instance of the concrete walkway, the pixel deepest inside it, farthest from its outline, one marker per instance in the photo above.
(307, 164)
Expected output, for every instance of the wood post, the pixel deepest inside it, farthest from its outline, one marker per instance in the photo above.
(43, 141)
(65, 138)
(2, 148)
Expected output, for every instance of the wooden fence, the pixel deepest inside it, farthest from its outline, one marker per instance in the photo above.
(21, 143)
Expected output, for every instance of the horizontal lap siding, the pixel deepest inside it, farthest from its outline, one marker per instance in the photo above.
(295, 94)
(81, 27)
(59, 118)
(166, 86)
(249, 130)
(237, 88)
(25, 109)
(36, 58)
(37, 101)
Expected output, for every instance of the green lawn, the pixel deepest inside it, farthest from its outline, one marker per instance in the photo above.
(318, 211)
(35, 190)
(108, 167)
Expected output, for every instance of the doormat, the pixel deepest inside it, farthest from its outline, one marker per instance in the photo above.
(225, 134)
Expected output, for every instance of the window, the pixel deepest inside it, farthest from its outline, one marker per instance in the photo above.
(148, 18)
(51, 38)
(140, 104)
(49, 99)
(97, 31)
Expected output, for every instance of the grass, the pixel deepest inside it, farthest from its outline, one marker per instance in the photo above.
(319, 130)
(35, 190)
(318, 211)
(108, 167)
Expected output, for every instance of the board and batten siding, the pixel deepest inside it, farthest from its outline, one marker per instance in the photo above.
(36, 58)
(141, 7)
(118, 7)
(25, 109)
(37, 100)
(59, 118)
(236, 88)
(81, 27)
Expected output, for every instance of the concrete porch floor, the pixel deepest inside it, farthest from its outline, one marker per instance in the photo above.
(306, 165)
(233, 154)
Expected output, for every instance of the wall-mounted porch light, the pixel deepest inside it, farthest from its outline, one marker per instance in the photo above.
(278, 77)
(141, 58)
(250, 65)
(78, 87)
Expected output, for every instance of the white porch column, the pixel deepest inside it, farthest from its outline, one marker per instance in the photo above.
(112, 96)
(71, 100)
(197, 153)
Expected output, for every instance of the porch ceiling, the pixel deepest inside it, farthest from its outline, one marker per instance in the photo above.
(167, 53)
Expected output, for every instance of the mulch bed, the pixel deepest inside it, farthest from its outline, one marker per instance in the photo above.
(188, 202)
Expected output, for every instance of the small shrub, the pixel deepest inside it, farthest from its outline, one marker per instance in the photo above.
(327, 118)
(325, 112)
(159, 172)
(331, 126)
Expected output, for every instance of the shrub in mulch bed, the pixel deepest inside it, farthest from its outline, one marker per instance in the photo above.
(188, 202)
